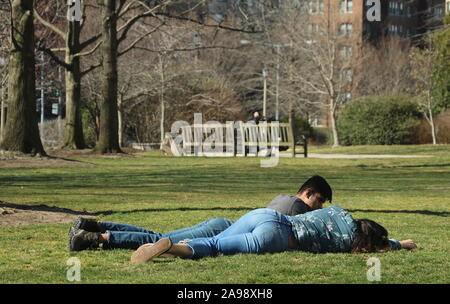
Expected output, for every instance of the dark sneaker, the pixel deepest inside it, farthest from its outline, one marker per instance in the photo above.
(147, 252)
(82, 240)
(88, 224)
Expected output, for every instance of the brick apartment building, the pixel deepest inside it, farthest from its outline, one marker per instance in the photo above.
(406, 19)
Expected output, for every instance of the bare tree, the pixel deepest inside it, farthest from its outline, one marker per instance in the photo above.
(69, 32)
(318, 68)
(383, 68)
(21, 129)
(114, 33)
(422, 61)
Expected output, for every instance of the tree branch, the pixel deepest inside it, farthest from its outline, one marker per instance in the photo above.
(208, 25)
(52, 55)
(90, 41)
(138, 40)
(50, 26)
(89, 52)
(90, 69)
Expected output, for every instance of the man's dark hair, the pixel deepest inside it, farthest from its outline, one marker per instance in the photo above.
(370, 237)
(318, 185)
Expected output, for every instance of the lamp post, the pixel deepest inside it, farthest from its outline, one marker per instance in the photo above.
(264, 74)
(277, 46)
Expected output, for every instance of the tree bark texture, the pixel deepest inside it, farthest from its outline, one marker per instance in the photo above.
(108, 141)
(21, 128)
(73, 131)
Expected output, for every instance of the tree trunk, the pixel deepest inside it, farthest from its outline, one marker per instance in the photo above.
(120, 117)
(161, 98)
(108, 141)
(431, 121)
(333, 125)
(2, 112)
(73, 131)
(21, 129)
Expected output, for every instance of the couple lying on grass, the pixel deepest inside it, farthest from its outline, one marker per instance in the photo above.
(289, 223)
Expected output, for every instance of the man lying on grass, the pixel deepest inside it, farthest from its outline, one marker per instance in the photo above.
(88, 233)
(268, 231)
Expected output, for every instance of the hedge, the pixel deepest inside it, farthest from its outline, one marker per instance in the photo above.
(378, 120)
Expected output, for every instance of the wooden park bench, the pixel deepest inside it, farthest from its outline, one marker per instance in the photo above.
(233, 139)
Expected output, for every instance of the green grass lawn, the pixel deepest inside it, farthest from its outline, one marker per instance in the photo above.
(410, 197)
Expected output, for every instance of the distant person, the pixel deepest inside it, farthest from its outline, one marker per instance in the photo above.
(88, 233)
(256, 117)
(260, 231)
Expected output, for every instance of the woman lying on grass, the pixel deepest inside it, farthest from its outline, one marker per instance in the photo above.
(259, 231)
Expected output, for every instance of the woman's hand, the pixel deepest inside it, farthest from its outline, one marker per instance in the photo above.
(408, 244)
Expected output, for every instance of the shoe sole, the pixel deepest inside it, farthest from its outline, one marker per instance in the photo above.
(72, 230)
(163, 255)
(149, 251)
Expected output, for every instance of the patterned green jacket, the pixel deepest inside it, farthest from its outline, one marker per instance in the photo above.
(331, 229)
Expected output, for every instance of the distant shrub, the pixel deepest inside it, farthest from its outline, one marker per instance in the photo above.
(378, 120)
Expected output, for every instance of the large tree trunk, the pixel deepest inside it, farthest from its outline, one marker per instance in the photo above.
(21, 129)
(108, 141)
(73, 132)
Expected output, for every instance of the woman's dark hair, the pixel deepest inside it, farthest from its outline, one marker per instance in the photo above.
(370, 237)
(318, 185)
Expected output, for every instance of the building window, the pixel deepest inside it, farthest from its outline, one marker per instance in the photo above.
(314, 28)
(346, 6)
(438, 12)
(347, 75)
(345, 29)
(395, 8)
(315, 6)
(346, 51)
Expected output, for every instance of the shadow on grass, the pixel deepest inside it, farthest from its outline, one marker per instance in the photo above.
(422, 166)
(109, 212)
(423, 212)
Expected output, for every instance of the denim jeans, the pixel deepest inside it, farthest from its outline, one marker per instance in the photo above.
(131, 237)
(258, 231)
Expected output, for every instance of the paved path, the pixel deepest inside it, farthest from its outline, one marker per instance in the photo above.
(356, 156)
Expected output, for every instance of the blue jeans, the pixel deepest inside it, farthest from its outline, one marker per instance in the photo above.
(259, 231)
(131, 237)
